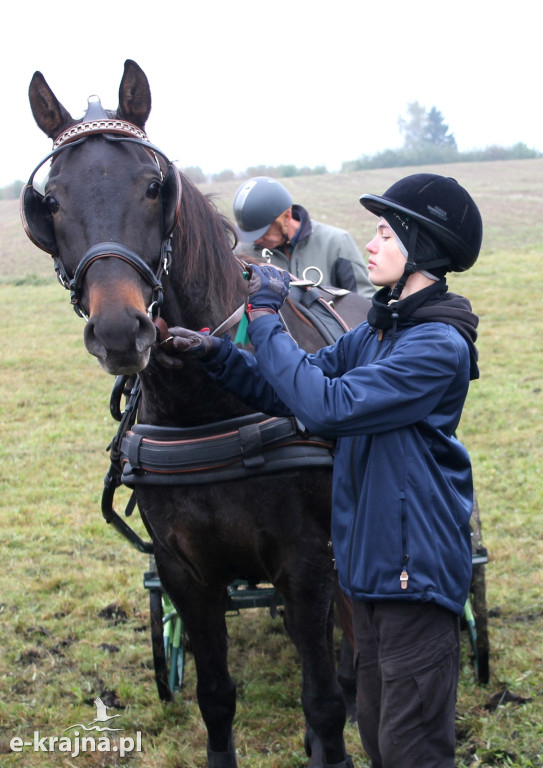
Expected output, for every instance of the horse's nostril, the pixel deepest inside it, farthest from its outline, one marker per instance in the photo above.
(94, 347)
(145, 333)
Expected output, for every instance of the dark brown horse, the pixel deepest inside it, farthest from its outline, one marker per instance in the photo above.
(132, 238)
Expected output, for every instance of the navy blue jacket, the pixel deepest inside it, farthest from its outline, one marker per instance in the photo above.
(402, 483)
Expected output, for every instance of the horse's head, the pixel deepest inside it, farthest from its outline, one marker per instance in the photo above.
(106, 213)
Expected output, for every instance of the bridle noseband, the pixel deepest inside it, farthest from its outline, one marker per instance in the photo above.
(96, 122)
(119, 251)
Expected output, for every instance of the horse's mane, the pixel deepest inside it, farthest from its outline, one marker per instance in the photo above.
(206, 241)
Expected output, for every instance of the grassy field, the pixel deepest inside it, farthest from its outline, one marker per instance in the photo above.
(73, 610)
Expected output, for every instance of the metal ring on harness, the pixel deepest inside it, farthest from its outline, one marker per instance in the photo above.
(319, 272)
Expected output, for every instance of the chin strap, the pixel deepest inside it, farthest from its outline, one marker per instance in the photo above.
(410, 269)
(410, 265)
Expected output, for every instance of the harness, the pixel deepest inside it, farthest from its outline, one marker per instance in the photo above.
(143, 454)
(242, 447)
(239, 448)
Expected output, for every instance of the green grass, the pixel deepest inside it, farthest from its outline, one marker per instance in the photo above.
(73, 609)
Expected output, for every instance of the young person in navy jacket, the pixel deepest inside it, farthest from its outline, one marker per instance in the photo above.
(391, 393)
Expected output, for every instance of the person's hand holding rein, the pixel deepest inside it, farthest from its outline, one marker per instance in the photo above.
(197, 344)
(267, 290)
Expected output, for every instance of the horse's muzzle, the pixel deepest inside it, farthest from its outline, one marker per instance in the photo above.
(122, 344)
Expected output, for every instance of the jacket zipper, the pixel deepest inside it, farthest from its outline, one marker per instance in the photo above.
(354, 486)
(380, 339)
(404, 576)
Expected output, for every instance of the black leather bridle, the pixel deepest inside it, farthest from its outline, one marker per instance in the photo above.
(38, 224)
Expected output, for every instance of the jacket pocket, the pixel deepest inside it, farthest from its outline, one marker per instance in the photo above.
(420, 685)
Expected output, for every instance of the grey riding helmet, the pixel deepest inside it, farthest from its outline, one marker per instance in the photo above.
(257, 203)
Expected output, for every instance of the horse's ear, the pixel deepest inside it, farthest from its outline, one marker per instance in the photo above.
(171, 199)
(134, 95)
(48, 112)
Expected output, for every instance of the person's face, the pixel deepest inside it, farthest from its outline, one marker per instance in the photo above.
(386, 262)
(275, 235)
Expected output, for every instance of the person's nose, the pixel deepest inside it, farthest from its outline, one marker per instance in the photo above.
(262, 240)
(372, 245)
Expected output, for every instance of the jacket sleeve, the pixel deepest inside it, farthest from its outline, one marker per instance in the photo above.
(237, 371)
(337, 393)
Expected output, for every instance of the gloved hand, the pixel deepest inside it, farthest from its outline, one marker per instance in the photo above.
(198, 345)
(268, 287)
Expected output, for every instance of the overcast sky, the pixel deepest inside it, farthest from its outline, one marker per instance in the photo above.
(242, 83)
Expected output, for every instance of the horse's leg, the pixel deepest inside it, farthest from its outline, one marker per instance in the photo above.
(309, 621)
(203, 614)
(345, 673)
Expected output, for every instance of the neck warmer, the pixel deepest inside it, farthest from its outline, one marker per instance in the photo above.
(304, 230)
(433, 304)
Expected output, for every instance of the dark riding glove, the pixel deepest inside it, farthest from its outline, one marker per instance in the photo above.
(199, 345)
(268, 287)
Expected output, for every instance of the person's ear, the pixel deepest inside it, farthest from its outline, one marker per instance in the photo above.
(284, 219)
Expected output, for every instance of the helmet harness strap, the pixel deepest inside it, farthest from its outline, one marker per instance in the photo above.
(410, 265)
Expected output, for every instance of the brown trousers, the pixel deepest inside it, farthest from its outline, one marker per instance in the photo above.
(407, 662)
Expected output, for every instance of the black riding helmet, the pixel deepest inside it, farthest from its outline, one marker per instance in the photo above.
(257, 203)
(443, 209)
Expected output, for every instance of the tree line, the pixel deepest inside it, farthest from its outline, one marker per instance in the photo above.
(427, 141)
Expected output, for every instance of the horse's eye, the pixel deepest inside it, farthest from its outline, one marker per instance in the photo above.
(51, 203)
(153, 190)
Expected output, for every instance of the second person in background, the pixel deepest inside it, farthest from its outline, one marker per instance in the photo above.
(267, 218)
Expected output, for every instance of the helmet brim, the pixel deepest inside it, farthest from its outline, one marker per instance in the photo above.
(250, 237)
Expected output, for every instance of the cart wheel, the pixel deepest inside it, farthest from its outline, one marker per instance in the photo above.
(174, 644)
(167, 638)
(157, 641)
(480, 615)
(476, 613)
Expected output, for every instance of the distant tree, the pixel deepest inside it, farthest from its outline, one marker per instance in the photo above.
(521, 151)
(317, 170)
(437, 130)
(413, 127)
(226, 175)
(260, 170)
(421, 128)
(195, 174)
(12, 191)
(287, 171)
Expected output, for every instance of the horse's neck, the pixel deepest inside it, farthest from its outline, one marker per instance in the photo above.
(205, 299)
(185, 397)
(188, 396)
(203, 289)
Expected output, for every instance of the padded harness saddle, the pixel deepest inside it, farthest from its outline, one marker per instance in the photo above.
(257, 444)
(253, 445)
